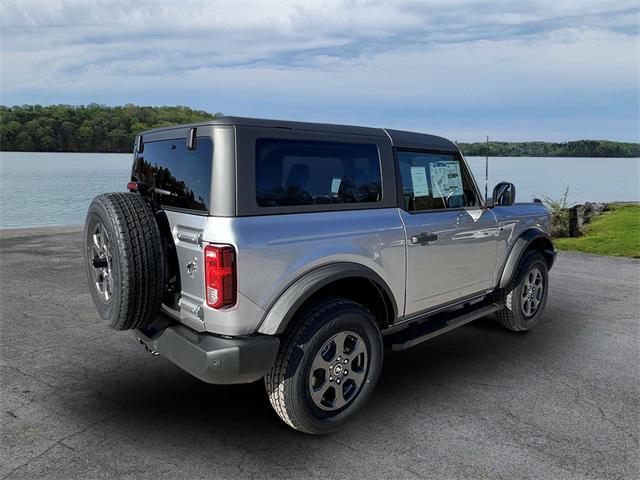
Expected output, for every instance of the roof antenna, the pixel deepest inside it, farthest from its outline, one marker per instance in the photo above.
(486, 173)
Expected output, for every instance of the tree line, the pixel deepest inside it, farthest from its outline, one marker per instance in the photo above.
(578, 148)
(100, 128)
(90, 128)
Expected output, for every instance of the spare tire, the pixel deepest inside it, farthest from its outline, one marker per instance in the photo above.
(124, 260)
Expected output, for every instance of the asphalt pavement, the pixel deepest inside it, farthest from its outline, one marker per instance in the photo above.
(79, 400)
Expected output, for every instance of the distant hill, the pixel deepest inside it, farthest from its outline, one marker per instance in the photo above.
(99, 128)
(90, 128)
(578, 148)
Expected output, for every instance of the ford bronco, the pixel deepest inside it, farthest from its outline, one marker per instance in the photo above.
(295, 252)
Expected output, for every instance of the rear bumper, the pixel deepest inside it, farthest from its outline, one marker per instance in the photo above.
(213, 359)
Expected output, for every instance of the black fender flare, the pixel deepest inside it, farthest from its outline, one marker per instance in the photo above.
(283, 309)
(520, 246)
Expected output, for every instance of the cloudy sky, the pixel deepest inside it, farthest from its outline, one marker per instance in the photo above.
(513, 70)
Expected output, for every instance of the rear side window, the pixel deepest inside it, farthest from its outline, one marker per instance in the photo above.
(301, 172)
(433, 181)
(181, 177)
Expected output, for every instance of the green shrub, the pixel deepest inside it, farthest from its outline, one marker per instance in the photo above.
(559, 209)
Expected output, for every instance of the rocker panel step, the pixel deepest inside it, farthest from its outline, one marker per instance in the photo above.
(437, 325)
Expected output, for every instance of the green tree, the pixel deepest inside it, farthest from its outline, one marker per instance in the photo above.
(578, 148)
(25, 142)
(90, 128)
(100, 128)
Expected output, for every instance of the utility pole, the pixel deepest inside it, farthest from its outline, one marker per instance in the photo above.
(486, 172)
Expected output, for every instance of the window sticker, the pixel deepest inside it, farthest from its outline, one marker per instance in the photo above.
(335, 184)
(446, 179)
(419, 181)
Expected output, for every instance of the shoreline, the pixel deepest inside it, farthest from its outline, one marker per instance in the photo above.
(7, 233)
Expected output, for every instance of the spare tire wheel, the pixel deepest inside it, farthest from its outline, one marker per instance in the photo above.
(124, 260)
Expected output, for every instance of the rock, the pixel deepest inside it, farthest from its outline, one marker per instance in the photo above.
(598, 207)
(570, 222)
(590, 209)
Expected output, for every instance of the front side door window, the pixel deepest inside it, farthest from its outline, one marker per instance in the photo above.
(434, 181)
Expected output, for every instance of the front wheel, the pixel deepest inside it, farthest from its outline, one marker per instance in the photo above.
(525, 297)
(327, 367)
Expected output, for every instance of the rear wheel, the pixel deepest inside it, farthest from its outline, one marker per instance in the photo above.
(327, 367)
(525, 297)
(124, 260)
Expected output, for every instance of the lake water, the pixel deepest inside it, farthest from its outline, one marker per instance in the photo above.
(42, 189)
(588, 179)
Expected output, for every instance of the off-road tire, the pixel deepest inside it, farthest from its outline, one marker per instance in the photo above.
(136, 266)
(287, 383)
(511, 316)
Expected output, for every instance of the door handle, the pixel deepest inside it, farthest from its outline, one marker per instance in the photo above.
(424, 238)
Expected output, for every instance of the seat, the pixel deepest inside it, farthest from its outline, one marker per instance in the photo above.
(297, 184)
(298, 177)
(352, 184)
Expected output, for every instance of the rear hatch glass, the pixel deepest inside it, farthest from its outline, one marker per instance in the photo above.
(180, 178)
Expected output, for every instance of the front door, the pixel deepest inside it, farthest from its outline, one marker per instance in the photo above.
(451, 238)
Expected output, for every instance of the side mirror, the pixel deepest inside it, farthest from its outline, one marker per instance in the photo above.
(504, 194)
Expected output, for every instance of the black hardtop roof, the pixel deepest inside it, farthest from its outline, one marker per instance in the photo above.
(399, 138)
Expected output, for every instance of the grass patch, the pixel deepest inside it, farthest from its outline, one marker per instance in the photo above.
(616, 232)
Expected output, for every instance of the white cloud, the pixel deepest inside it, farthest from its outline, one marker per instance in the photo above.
(353, 60)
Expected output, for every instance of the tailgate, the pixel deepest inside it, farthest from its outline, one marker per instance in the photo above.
(186, 230)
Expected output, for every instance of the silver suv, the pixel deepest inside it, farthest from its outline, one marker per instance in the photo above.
(295, 252)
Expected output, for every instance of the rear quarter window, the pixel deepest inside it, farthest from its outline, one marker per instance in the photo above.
(304, 172)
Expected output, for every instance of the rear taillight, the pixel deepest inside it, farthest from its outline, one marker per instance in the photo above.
(132, 186)
(220, 275)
